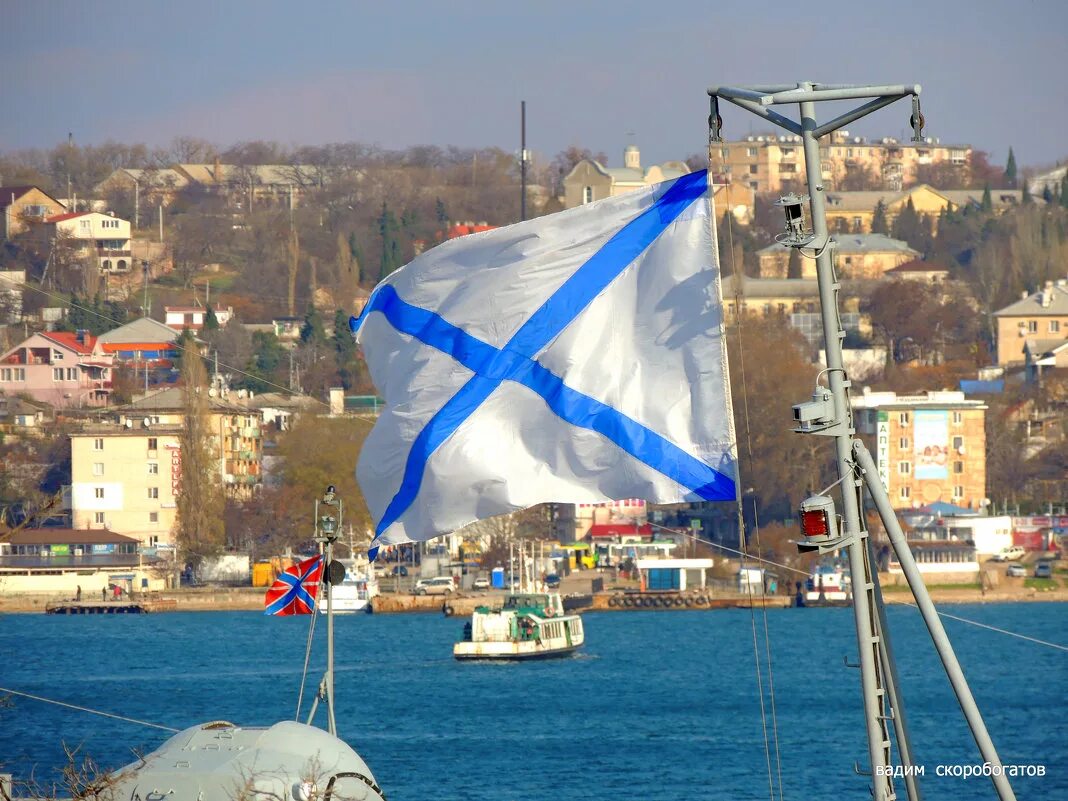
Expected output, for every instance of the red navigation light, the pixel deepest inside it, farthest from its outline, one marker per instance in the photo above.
(819, 524)
(815, 523)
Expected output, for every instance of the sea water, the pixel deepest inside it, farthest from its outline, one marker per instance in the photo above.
(658, 705)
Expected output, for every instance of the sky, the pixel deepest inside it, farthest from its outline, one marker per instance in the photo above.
(595, 74)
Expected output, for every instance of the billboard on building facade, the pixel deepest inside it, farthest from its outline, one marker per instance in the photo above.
(931, 444)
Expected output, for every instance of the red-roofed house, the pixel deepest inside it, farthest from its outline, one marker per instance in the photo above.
(22, 205)
(104, 236)
(463, 229)
(67, 370)
(193, 317)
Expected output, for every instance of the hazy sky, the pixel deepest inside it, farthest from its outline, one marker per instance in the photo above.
(595, 74)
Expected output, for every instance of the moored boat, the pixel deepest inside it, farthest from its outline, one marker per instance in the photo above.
(528, 626)
(354, 593)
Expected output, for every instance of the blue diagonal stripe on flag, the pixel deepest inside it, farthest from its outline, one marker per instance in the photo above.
(515, 361)
(296, 591)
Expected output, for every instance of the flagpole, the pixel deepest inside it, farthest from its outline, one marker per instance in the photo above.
(327, 527)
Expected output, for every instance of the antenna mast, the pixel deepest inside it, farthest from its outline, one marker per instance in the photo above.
(829, 414)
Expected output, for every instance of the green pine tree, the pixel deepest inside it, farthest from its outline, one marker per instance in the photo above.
(1010, 170)
(211, 322)
(879, 223)
(987, 204)
(388, 228)
(1064, 192)
(312, 331)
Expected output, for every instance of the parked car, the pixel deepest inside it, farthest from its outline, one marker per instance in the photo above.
(552, 581)
(1016, 570)
(1010, 554)
(442, 585)
(1043, 570)
(399, 570)
(481, 583)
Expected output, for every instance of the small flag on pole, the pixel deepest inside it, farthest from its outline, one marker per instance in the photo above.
(578, 357)
(295, 590)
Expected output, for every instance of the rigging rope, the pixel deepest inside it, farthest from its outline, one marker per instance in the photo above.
(308, 647)
(741, 514)
(87, 709)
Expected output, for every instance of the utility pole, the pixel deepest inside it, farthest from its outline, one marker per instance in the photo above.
(829, 414)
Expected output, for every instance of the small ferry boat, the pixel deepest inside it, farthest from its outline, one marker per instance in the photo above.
(355, 592)
(528, 626)
(828, 586)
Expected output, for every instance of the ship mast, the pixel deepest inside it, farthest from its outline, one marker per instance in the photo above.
(829, 414)
(328, 516)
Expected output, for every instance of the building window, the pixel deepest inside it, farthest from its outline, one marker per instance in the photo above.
(788, 168)
(904, 493)
(904, 468)
(958, 418)
(751, 152)
(903, 443)
(153, 492)
(98, 468)
(753, 185)
(98, 492)
(13, 374)
(1032, 326)
(587, 194)
(57, 373)
(153, 517)
(958, 492)
(958, 443)
(152, 443)
(753, 169)
(153, 468)
(903, 418)
(1054, 326)
(98, 444)
(958, 467)
(98, 517)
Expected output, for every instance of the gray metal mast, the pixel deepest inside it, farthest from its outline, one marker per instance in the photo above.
(829, 414)
(327, 528)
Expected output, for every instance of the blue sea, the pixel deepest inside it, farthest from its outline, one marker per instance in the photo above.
(660, 705)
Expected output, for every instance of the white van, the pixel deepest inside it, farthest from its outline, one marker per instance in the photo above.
(442, 585)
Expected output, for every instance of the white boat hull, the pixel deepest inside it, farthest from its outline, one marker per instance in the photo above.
(528, 649)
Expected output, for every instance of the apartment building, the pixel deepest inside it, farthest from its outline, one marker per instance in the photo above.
(1038, 323)
(928, 448)
(125, 477)
(236, 439)
(776, 163)
(66, 370)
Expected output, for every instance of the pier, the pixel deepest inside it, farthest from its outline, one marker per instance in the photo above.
(111, 607)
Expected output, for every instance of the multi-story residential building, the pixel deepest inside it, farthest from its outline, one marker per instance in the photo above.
(103, 237)
(22, 206)
(928, 448)
(125, 477)
(776, 163)
(1038, 322)
(236, 437)
(857, 256)
(66, 370)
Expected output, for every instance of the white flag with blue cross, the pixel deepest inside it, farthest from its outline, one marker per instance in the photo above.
(574, 358)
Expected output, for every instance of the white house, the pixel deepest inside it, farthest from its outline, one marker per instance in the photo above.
(104, 236)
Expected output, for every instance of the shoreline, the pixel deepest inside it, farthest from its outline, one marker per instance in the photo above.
(251, 599)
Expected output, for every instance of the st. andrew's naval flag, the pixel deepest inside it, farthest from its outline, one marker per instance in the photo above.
(575, 358)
